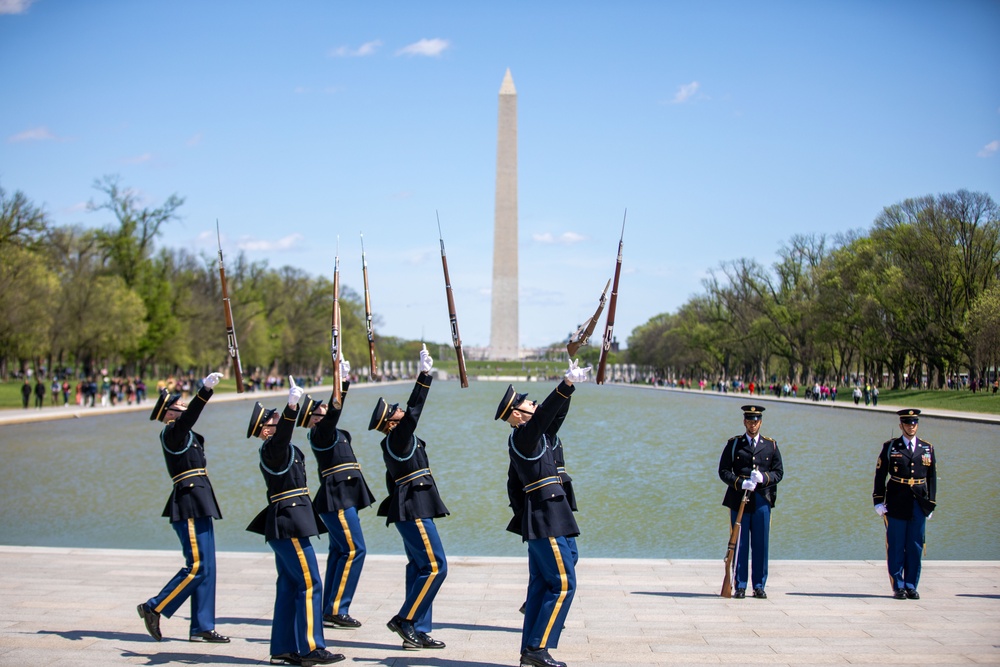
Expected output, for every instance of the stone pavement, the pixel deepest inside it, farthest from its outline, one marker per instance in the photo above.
(65, 607)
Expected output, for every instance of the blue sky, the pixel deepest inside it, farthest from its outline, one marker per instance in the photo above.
(723, 127)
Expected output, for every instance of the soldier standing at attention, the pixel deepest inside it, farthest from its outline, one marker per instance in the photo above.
(905, 501)
(750, 466)
(412, 505)
(287, 523)
(342, 492)
(547, 523)
(191, 508)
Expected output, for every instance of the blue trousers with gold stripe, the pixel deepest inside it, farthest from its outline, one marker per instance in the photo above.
(196, 580)
(551, 587)
(345, 560)
(426, 569)
(297, 626)
(755, 527)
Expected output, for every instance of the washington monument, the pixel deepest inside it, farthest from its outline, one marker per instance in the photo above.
(504, 342)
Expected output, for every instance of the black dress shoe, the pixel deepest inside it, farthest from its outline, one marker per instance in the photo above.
(152, 621)
(759, 593)
(912, 594)
(320, 657)
(538, 657)
(524, 606)
(406, 632)
(898, 594)
(426, 641)
(340, 621)
(286, 659)
(740, 593)
(210, 636)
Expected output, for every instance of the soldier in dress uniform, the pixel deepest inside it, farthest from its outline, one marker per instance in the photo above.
(904, 495)
(191, 508)
(287, 523)
(342, 492)
(543, 516)
(750, 466)
(412, 505)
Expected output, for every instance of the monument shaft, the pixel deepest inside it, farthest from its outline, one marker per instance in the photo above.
(504, 341)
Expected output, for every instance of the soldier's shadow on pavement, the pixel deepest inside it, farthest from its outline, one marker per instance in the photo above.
(424, 660)
(476, 628)
(676, 594)
(842, 595)
(988, 596)
(153, 658)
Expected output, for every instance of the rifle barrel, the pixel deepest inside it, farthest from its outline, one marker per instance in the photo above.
(233, 347)
(612, 306)
(456, 339)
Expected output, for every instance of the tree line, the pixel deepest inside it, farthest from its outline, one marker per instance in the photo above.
(915, 297)
(107, 298)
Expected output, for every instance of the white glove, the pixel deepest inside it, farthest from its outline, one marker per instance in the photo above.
(345, 368)
(930, 515)
(880, 509)
(212, 379)
(576, 374)
(756, 477)
(749, 485)
(426, 363)
(294, 393)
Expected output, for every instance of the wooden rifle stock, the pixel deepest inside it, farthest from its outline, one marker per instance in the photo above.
(335, 351)
(369, 325)
(234, 349)
(610, 326)
(456, 339)
(734, 538)
(582, 335)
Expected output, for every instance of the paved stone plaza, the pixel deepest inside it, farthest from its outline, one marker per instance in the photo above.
(69, 607)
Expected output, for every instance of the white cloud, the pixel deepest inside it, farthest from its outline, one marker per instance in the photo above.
(425, 47)
(366, 49)
(40, 133)
(289, 242)
(15, 6)
(138, 159)
(989, 149)
(566, 238)
(686, 92)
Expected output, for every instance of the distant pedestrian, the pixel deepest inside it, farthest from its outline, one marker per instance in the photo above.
(39, 393)
(875, 396)
(26, 393)
(905, 496)
(857, 394)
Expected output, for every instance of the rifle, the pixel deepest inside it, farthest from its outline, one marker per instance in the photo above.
(368, 314)
(234, 349)
(452, 315)
(582, 335)
(337, 402)
(610, 326)
(734, 538)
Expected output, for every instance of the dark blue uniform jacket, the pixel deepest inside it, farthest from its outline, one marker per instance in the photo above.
(901, 476)
(738, 461)
(341, 484)
(413, 494)
(184, 451)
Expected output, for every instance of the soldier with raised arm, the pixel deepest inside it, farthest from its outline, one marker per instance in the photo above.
(543, 516)
(192, 509)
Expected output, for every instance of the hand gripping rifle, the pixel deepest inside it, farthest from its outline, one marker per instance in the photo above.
(452, 315)
(610, 326)
(335, 351)
(582, 335)
(234, 349)
(734, 539)
(368, 314)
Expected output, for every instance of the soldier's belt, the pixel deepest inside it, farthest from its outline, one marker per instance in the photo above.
(285, 495)
(909, 481)
(187, 474)
(342, 467)
(545, 481)
(423, 472)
